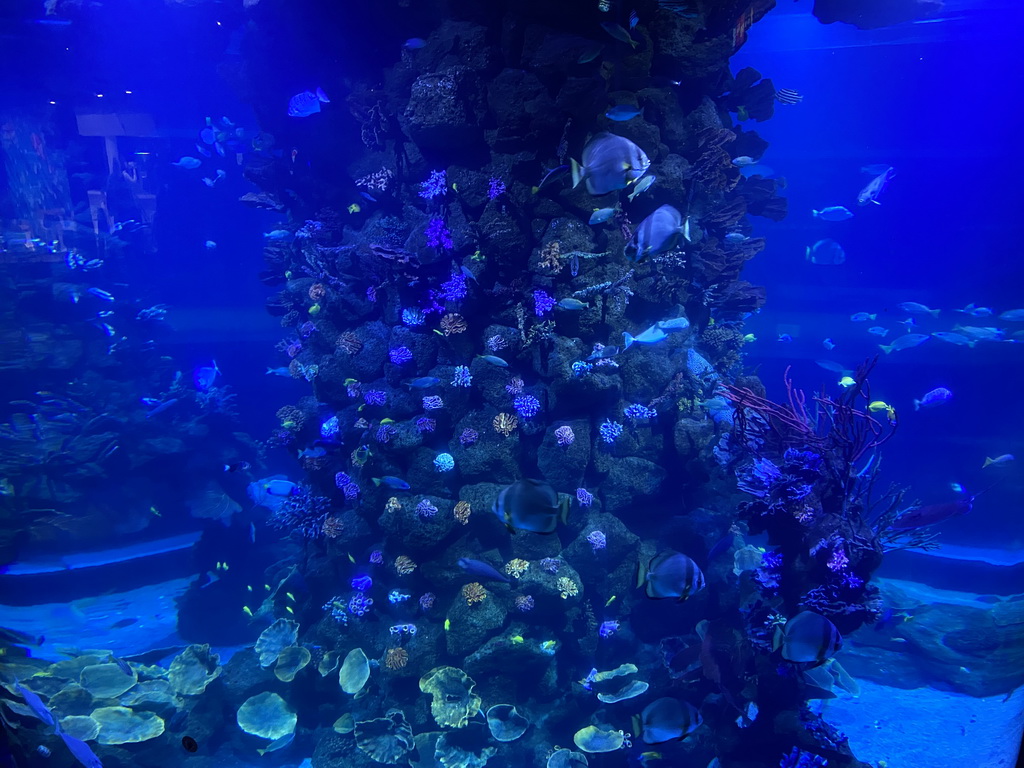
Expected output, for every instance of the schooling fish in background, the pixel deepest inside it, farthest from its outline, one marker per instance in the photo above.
(916, 308)
(667, 719)
(617, 31)
(877, 330)
(1012, 316)
(832, 213)
(951, 337)
(189, 163)
(875, 187)
(930, 514)
(306, 103)
(808, 638)
(825, 251)
(862, 317)
(482, 570)
(975, 311)
(906, 341)
(530, 505)
(978, 333)
(610, 162)
(670, 574)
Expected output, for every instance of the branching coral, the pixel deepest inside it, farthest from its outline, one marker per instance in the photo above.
(505, 424)
(473, 593)
(453, 323)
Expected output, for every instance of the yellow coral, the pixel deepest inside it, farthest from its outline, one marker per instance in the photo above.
(462, 512)
(393, 505)
(516, 568)
(505, 423)
(473, 593)
(453, 323)
(404, 565)
(566, 587)
(396, 658)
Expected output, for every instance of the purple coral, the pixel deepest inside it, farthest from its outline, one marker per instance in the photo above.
(584, 497)
(597, 540)
(375, 397)
(455, 288)
(838, 560)
(469, 437)
(608, 628)
(527, 406)
(360, 604)
(496, 343)
(525, 603)
(362, 583)
(302, 512)
(543, 303)
(565, 436)
(495, 188)
(638, 412)
(400, 355)
(376, 557)
(438, 235)
(549, 564)
(433, 403)
(435, 185)
(425, 508)
(427, 600)
(424, 424)
(461, 377)
(384, 433)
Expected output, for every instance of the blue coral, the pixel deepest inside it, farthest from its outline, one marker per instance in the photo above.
(610, 431)
(455, 288)
(413, 317)
(638, 412)
(400, 355)
(444, 462)
(438, 235)
(330, 428)
(543, 303)
(581, 368)
(527, 406)
(302, 512)
(435, 185)
(461, 377)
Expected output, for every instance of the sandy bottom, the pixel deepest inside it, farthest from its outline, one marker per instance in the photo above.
(926, 728)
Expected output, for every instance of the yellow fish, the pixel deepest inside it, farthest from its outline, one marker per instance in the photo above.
(247, 610)
(611, 600)
(477, 256)
(517, 639)
(289, 609)
(549, 645)
(290, 596)
(847, 381)
(455, 186)
(224, 567)
(749, 338)
(387, 421)
(351, 559)
(155, 511)
(248, 587)
(447, 624)
(354, 208)
(266, 587)
(877, 405)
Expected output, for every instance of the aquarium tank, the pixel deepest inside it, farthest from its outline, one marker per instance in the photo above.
(511, 383)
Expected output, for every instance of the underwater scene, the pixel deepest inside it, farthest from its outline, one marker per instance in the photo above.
(511, 383)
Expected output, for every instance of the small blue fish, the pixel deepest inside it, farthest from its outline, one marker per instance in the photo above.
(572, 304)
(482, 570)
(623, 112)
(601, 215)
(279, 234)
(414, 43)
(937, 396)
(162, 407)
(306, 103)
(785, 338)
(204, 377)
(423, 382)
(833, 213)
(862, 317)
(392, 482)
(211, 245)
(99, 293)
(39, 709)
(634, 19)
(906, 341)
(916, 308)
(828, 344)
(877, 330)
(282, 371)
(189, 163)
(82, 751)
(652, 335)
(312, 453)
(493, 360)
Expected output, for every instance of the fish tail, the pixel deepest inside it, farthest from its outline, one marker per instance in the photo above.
(872, 316)
(884, 348)
(933, 312)
(563, 510)
(917, 405)
(807, 253)
(376, 481)
(815, 213)
(988, 462)
(628, 340)
(577, 173)
(971, 343)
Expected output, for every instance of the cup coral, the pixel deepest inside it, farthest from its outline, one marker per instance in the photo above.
(473, 593)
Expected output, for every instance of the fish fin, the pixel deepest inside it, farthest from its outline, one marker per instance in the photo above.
(815, 213)
(641, 574)
(876, 202)
(577, 173)
(627, 340)
(511, 528)
(777, 638)
(322, 96)
(917, 405)
(988, 461)
(376, 481)
(885, 349)
(933, 312)
(563, 513)
(807, 253)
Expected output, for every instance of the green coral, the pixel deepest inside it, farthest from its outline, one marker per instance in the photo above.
(194, 669)
(594, 739)
(386, 739)
(274, 639)
(266, 715)
(80, 727)
(505, 723)
(291, 661)
(454, 751)
(453, 699)
(355, 671)
(120, 725)
(106, 681)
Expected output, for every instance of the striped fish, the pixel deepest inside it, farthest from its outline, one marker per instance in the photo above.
(808, 637)
(788, 96)
(670, 574)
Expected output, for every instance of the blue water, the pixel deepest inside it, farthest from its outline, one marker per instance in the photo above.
(144, 549)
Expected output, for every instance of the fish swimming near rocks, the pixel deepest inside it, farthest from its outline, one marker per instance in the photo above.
(482, 570)
(658, 233)
(609, 162)
(652, 335)
(904, 342)
(807, 638)
(307, 103)
(530, 505)
(668, 719)
(670, 575)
